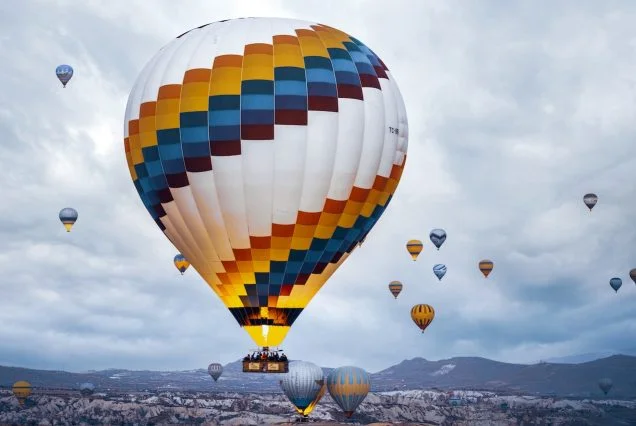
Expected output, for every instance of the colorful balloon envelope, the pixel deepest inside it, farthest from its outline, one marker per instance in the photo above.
(486, 266)
(64, 73)
(632, 275)
(437, 236)
(439, 270)
(590, 200)
(21, 390)
(414, 247)
(348, 387)
(616, 283)
(395, 287)
(265, 149)
(215, 370)
(68, 217)
(422, 315)
(304, 385)
(181, 263)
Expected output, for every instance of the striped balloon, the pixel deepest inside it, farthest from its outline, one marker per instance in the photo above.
(439, 270)
(304, 385)
(395, 287)
(422, 315)
(181, 263)
(215, 370)
(68, 216)
(414, 247)
(348, 386)
(486, 266)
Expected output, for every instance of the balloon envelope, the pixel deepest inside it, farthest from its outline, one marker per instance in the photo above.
(265, 149)
(21, 390)
(590, 200)
(181, 263)
(302, 385)
(437, 236)
(414, 247)
(439, 270)
(348, 386)
(68, 217)
(87, 389)
(616, 283)
(605, 384)
(395, 287)
(422, 315)
(215, 370)
(486, 267)
(64, 73)
(632, 275)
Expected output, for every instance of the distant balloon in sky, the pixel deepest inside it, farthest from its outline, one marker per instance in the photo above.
(605, 384)
(437, 236)
(348, 386)
(439, 270)
(632, 275)
(414, 247)
(87, 389)
(265, 149)
(422, 315)
(215, 370)
(68, 217)
(616, 283)
(304, 385)
(64, 74)
(181, 263)
(21, 390)
(590, 200)
(395, 287)
(486, 266)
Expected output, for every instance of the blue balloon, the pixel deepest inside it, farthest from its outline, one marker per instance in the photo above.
(439, 270)
(616, 283)
(438, 236)
(64, 74)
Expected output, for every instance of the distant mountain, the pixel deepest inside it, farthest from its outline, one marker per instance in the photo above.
(574, 380)
(578, 359)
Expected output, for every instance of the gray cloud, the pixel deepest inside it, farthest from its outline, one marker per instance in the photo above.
(515, 111)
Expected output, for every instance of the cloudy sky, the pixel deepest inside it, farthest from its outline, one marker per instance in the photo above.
(515, 112)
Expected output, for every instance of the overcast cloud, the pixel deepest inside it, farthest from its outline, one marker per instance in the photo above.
(516, 109)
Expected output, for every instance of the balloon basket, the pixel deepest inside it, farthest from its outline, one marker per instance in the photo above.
(265, 365)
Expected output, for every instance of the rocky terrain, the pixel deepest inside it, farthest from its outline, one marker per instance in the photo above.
(397, 407)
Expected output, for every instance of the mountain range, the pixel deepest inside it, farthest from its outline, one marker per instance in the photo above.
(545, 378)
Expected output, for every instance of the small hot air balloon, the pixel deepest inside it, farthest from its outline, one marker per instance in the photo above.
(437, 236)
(68, 216)
(414, 247)
(395, 287)
(64, 74)
(87, 389)
(439, 270)
(422, 315)
(348, 386)
(605, 384)
(616, 283)
(486, 266)
(590, 200)
(632, 275)
(304, 385)
(21, 390)
(181, 263)
(215, 370)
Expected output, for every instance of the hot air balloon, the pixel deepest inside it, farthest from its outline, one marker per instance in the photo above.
(632, 275)
(616, 283)
(21, 390)
(348, 386)
(87, 389)
(181, 263)
(422, 315)
(605, 384)
(590, 200)
(395, 287)
(68, 216)
(439, 270)
(304, 385)
(486, 266)
(437, 236)
(265, 149)
(64, 74)
(215, 370)
(414, 247)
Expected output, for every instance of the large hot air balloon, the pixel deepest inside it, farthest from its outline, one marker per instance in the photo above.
(181, 263)
(486, 266)
(439, 270)
(304, 385)
(64, 73)
(348, 386)
(437, 236)
(605, 385)
(68, 217)
(215, 370)
(632, 275)
(87, 389)
(265, 149)
(422, 315)
(616, 283)
(590, 200)
(414, 247)
(395, 287)
(21, 390)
